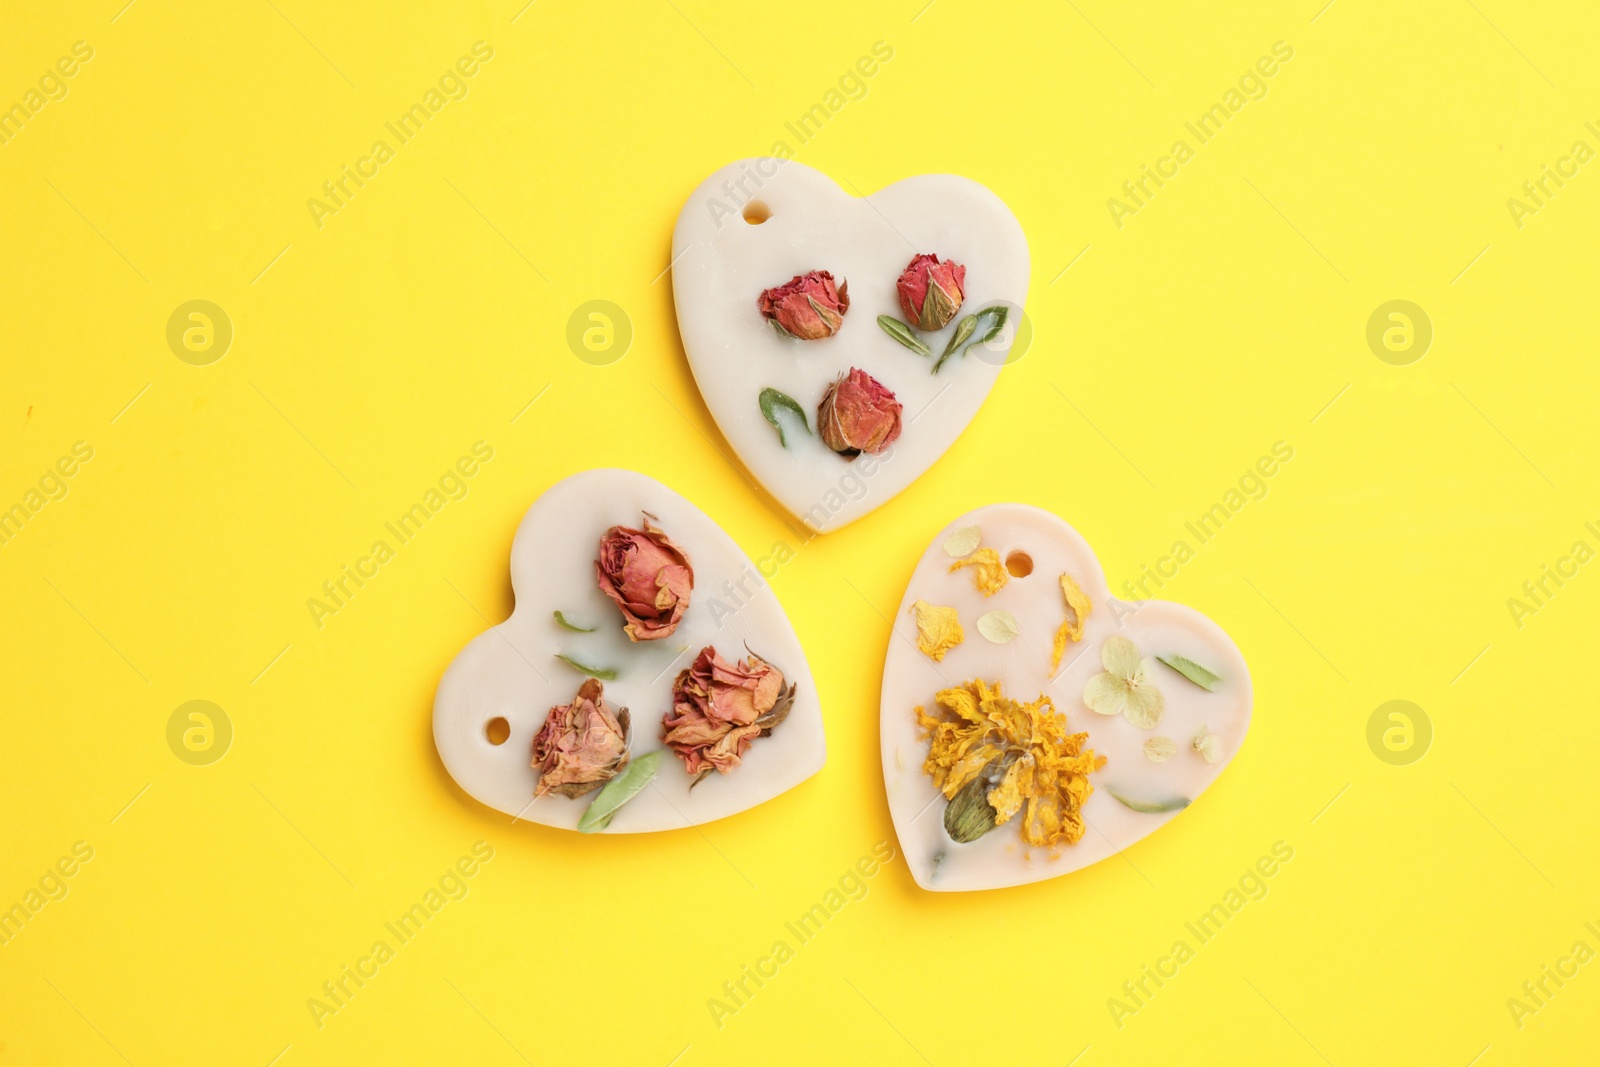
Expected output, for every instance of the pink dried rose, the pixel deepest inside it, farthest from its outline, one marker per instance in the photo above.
(648, 576)
(581, 745)
(719, 708)
(857, 415)
(807, 306)
(931, 292)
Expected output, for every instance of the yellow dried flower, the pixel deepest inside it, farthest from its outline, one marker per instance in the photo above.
(987, 570)
(938, 629)
(1035, 766)
(1072, 629)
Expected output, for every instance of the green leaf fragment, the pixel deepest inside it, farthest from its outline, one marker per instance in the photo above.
(902, 333)
(1149, 807)
(570, 625)
(969, 815)
(772, 401)
(617, 792)
(605, 674)
(996, 317)
(1191, 670)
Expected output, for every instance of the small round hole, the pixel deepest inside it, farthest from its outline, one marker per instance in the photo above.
(1020, 564)
(755, 213)
(497, 730)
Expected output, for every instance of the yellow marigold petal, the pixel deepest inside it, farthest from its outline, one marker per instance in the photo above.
(969, 768)
(987, 570)
(938, 629)
(1072, 629)
(1006, 798)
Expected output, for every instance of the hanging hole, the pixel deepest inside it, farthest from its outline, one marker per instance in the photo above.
(497, 730)
(755, 213)
(1020, 564)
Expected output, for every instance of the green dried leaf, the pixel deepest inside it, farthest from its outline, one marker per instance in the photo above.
(1149, 807)
(996, 317)
(617, 792)
(998, 626)
(605, 674)
(1193, 671)
(570, 625)
(969, 815)
(964, 330)
(772, 401)
(963, 542)
(902, 333)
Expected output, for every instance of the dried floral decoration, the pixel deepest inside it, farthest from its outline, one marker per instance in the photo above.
(1021, 752)
(581, 745)
(719, 708)
(938, 629)
(1124, 687)
(931, 292)
(987, 570)
(858, 414)
(647, 576)
(1072, 629)
(808, 306)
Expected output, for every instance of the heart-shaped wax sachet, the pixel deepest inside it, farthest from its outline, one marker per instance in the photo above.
(842, 343)
(647, 679)
(1033, 724)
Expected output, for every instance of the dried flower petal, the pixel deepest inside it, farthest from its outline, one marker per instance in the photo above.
(647, 576)
(938, 629)
(1072, 629)
(1124, 688)
(719, 708)
(581, 744)
(987, 570)
(1206, 743)
(1160, 749)
(998, 626)
(808, 306)
(963, 541)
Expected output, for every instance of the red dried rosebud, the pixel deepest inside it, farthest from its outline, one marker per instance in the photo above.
(648, 576)
(719, 708)
(808, 306)
(857, 415)
(931, 292)
(581, 745)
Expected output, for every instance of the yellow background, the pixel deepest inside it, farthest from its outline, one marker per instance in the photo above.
(370, 353)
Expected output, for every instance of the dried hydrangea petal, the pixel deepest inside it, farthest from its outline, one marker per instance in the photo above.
(963, 541)
(987, 571)
(1206, 743)
(1119, 656)
(1160, 749)
(938, 629)
(1106, 694)
(1145, 706)
(998, 626)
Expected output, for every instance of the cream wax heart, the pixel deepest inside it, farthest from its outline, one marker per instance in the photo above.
(1191, 717)
(497, 693)
(755, 225)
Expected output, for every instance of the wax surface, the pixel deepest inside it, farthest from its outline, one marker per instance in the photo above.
(910, 678)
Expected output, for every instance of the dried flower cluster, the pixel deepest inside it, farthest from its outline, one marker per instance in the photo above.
(1023, 752)
(719, 708)
(647, 576)
(581, 745)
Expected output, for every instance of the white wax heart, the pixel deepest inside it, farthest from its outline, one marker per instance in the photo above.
(511, 671)
(722, 264)
(1001, 858)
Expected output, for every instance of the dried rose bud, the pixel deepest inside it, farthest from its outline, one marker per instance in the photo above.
(581, 745)
(857, 415)
(648, 576)
(931, 292)
(719, 708)
(808, 306)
